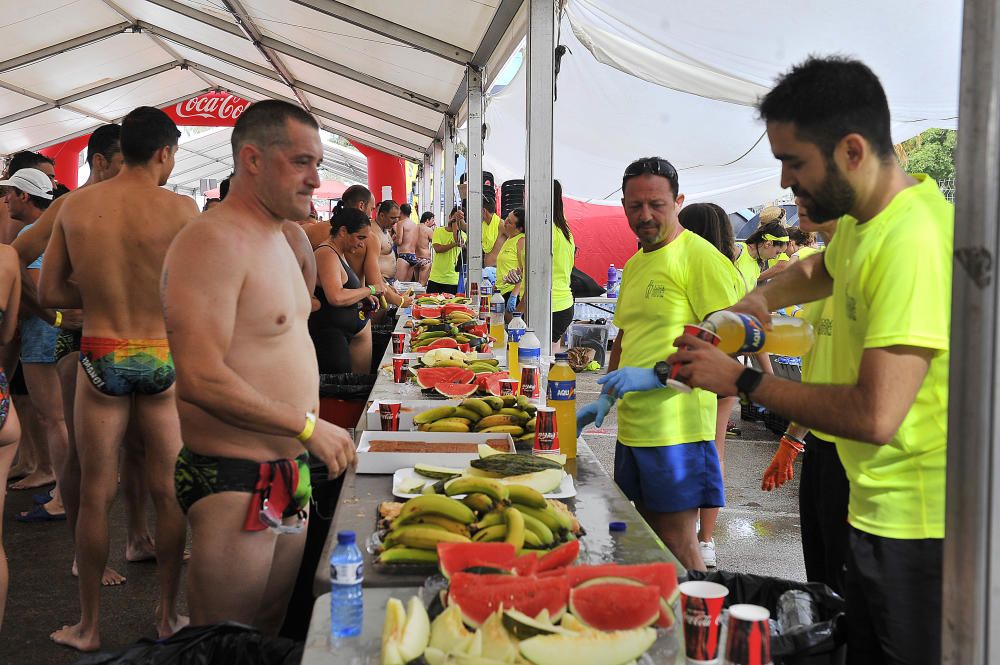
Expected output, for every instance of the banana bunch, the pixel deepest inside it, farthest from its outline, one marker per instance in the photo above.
(444, 358)
(514, 415)
(490, 511)
(442, 300)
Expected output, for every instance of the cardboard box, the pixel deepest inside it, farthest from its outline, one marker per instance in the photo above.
(371, 462)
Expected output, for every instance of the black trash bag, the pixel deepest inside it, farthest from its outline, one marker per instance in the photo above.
(221, 644)
(583, 285)
(346, 386)
(817, 644)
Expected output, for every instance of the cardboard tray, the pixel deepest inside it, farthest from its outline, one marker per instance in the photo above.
(388, 463)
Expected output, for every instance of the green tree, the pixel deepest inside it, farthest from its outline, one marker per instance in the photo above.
(931, 152)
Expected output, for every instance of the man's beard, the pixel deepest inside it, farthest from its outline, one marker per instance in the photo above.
(834, 199)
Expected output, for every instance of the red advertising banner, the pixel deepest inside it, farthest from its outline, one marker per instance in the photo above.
(211, 109)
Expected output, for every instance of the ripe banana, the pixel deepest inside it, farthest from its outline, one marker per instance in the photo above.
(498, 419)
(491, 518)
(496, 403)
(532, 540)
(509, 400)
(427, 538)
(400, 554)
(521, 416)
(454, 419)
(469, 415)
(478, 502)
(438, 505)
(439, 521)
(392, 538)
(561, 511)
(491, 534)
(444, 426)
(450, 363)
(523, 402)
(538, 529)
(526, 496)
(478, 405)
(515, 528)
(530, 436)
(546, 516)
(513, 430)
(491, 487)
(431, 415)
(530, 425)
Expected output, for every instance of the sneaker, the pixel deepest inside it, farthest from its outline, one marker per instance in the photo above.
(733, 430)
(708, 553)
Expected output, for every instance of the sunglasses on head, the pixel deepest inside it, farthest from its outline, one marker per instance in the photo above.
(652, 166)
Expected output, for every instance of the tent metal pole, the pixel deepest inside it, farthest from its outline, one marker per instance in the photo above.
(971, 603)
(438, 156)
(425, 185)
(448, 177)
(474, 143)
(542, 20)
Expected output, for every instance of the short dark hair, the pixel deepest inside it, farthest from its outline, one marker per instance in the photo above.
(827, 99)
(144, 131)
(387, 206)
(800, 237)
(354, 195)
(776, 229)
(519, 218)
(489, 204)
(351, 219)
(653, 166)
(427, 215)
(263, 124)
(712, 223)
(105, 141)
(209, 202)
(26, 159)
(224, 187)
(37, 201)
(405, 209)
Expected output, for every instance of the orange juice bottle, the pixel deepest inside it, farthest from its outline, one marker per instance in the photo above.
(742, 333)
(515, 329)
(561, 395)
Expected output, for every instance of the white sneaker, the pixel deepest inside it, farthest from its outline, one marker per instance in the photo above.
(708, 553)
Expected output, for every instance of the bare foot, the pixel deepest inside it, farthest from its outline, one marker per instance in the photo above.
(34, 479)
(75, 637)
(165, 627)
(142, 549)
(110, 577)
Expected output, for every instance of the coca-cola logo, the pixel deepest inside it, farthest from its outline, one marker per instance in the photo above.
(228, 107)
(694, 617)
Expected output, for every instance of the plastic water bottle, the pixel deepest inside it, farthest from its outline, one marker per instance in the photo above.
(498, 306)
(346, 574)
(515, 329)
(612, 281)
(529, 351)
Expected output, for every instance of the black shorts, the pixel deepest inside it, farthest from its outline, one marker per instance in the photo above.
(893, 593)
(438, 287)
(823, 494)
(560, 322)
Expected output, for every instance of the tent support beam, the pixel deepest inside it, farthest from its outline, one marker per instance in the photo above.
(438, 158)
(543, 17)
(474, 202)
(502, 19)
(47, 104)
(448, 177)
(971, 608)
(394, 31)
(62, 47)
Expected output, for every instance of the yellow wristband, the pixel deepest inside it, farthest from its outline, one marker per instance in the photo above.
(58, 321)
(307, 431)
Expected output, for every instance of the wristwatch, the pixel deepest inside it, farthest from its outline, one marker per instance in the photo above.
(662, 371)
(748, 382)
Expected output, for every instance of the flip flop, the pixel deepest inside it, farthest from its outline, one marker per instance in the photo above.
(39, 514)
(41, 499)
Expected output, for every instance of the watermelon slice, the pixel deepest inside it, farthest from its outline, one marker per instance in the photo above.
(427, 312)
(527, 595)
(662, 575)
(429, 377)
(456, 557)
(454, 390)
(489, 383)
(443, 343)
(526, 564)
(615, 606)
(560, 557)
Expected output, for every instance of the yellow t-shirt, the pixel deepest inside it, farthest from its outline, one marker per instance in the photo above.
(892, 287)
(780, 257)
(748, 268)
(817, 362)
(563, 257)
(661, 291)
(507, 261)
(805, 252)
(490, 232)
(443, 263)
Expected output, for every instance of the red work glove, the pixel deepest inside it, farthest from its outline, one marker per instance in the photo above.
(780, 470)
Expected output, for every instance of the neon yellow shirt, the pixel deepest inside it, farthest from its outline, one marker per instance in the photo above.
(817, 363)
(661, 291)
(806, 252)
(892, 287)
(780, 257)
(563, 257)
(748, 268)
(491, 230)
(443, 263)
(506, 261)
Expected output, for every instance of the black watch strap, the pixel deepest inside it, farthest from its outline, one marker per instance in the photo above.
(662, 371)
(748, 382)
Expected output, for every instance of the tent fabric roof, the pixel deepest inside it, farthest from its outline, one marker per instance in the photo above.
(380, 72)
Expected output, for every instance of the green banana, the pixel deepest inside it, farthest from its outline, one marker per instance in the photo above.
(537, 528)
(480, 406)
(515, 413)
(491, 487)
(427, 538)
(478, 502)
(402, 554)
(450, 363)
(532, 540)
(509, 400)
(439, 521)
(526, 496)
(523, 402)
(515, 528)
(546, 516)
(513, 430)
(440, 426)
(496, 403)
(393, 537)
(431, 415)
(530, 436)
(468, 414)
(530, 425)
(437, 505)
(491, 534)
(565, 521)
(491, 518)
(498, 419)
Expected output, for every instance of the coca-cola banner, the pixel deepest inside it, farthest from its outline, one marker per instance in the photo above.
(211, 109)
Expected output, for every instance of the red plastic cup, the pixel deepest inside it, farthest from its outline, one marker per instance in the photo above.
(398, 342)
(399, 366)
(388, 413)
(508, 386)
(531, 379)
(701, 611)
(546, 432)
(695, 331)
(749, 636)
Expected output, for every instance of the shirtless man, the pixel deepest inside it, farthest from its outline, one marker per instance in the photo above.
(387, 219)
(247, 379)
(423, 248)
(407, 238)
(110, 239)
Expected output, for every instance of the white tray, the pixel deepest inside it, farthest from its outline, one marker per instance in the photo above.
(566, 489)
(369, 462)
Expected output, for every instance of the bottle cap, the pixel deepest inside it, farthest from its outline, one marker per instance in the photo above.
(618, 526)
(562, 356)
(346, 537)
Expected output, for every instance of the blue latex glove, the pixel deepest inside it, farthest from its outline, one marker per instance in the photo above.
(595, 413)
(628, 380)
(512, 303)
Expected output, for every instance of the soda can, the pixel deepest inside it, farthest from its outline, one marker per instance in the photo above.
(388, 413)
(546, 431)
(398, 342)
(399, 366)
(749, 636)
(675, 381)
(508, 387)
(531, 380)
(701, 612)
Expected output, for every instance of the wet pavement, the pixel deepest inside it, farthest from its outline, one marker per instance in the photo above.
(757, 532)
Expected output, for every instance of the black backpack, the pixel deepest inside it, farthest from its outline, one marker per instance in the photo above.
(583, 285)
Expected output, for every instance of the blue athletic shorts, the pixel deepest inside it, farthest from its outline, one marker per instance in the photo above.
(38, 341)
(671, 479)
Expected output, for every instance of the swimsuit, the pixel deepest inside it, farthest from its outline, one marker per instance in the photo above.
(67, 342)
(332, 327)
(410, 258)
(120, 367)
(285, 484)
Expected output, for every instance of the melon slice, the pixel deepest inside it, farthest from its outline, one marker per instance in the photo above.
(615, 606)
(662, 575)
(429, 377)
(392, 630)
(456, 389)
(416, 631)
(593, 649)
(448, 633)
(456, 557)
(528, 595)
(543, 481)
